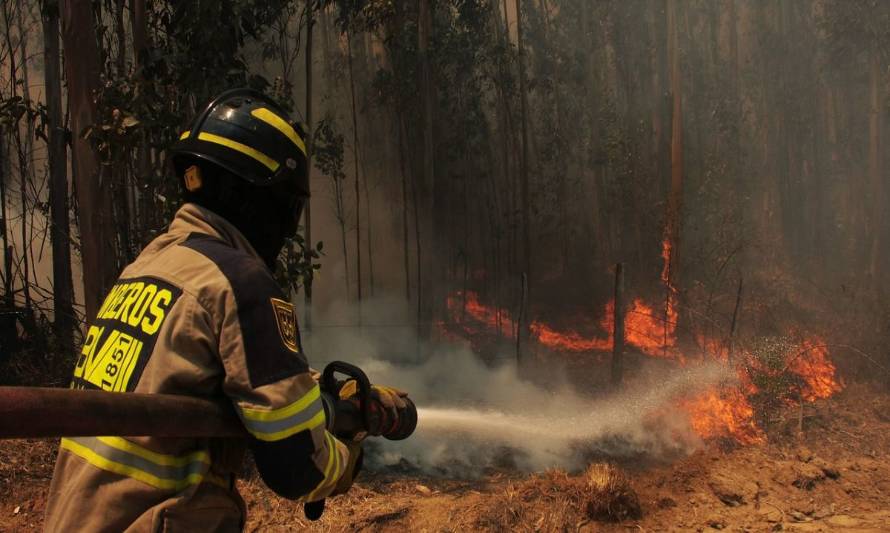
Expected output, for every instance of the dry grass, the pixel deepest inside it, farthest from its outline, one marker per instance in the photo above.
(609, 495)
(549, 501)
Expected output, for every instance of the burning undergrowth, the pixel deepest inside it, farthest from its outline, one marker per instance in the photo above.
(683, 393)
(772, 372)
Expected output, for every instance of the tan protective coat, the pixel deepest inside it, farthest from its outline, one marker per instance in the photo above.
(172, 324)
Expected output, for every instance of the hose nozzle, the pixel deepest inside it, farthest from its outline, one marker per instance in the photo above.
(363, 415)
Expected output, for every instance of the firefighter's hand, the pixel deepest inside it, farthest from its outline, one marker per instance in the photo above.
(353, 467)
(391, 398)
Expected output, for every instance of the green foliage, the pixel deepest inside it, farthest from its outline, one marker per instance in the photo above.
(327, 149)
(297, 263)
(195, 52)
(16, 108)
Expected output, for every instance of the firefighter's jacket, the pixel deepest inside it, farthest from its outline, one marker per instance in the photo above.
(199, 314)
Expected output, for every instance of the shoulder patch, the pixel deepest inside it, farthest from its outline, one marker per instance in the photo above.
(270, 336)
(286, 317)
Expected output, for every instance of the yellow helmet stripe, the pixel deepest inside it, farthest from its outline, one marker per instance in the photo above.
(184, 134)
(281, 125)
(243, 148)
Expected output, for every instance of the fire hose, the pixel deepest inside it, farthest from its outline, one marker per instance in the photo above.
(41, 412)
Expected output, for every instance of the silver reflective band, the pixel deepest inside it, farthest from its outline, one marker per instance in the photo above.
(125, 458)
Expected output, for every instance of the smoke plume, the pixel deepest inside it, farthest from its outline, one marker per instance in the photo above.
(472, 417)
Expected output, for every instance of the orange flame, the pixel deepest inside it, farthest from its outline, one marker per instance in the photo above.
(654, 335)
(723, 412)
(719, 412)
(816, 370)
(497, 320)
(568, 341)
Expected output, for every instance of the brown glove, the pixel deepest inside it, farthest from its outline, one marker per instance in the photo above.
(389, 398)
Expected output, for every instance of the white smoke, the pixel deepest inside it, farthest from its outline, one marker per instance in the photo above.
(472, 416)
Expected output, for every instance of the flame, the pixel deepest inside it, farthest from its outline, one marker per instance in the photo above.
(654, 335)
(719, 412)
(723, 412)
(493, 319)
(816, 370)
(568, 341)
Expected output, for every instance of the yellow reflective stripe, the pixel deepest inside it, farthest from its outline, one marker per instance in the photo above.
(263, 415)
(124, 470)
(310, 424)
(243, 148)
(281, 125)
(155, 457)
(184, 135)
(332, 451)
(336, 451)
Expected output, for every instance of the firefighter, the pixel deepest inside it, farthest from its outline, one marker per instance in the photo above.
(198, 313)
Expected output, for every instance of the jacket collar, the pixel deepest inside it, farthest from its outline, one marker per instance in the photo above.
(192, 218)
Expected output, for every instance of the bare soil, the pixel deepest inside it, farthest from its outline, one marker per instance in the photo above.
(833, 477)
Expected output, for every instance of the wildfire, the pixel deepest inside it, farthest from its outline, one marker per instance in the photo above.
(568, 341)
(723, 412)
(720, 412)
(653, 335)
(496, 320)
(816, 371)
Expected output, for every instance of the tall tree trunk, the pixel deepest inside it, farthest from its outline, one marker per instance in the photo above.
(144, 206)
(355, 159)
(63, 287)
(4, 222)
(671, 248)
(513, 243)
(138, 23)
(523, 160)
(427, 183)
(121, 35)
(523, 333)
(94, 201)
(875, 164)
(405, 205)
(675, 198)
(341, 219)
(307, 223)
(366, 58)
(22, 149)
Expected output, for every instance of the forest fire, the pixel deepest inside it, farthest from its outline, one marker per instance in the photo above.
(724, 411)
(816, 370)
(568, 341)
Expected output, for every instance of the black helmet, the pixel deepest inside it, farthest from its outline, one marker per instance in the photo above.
(246, 133)
(244, 160)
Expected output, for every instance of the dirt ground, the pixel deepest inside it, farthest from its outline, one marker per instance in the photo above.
(836, 477)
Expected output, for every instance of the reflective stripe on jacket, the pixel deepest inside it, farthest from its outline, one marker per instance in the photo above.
(198, 314)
